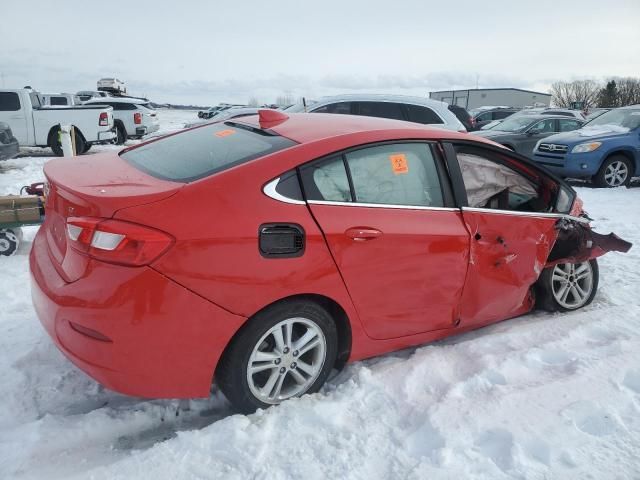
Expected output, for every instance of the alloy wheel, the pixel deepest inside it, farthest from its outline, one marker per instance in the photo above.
(616, 173)
(287, 360)
(572, 284)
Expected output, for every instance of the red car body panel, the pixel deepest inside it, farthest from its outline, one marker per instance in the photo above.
(408, 278)
(424, 276)
(508, 253)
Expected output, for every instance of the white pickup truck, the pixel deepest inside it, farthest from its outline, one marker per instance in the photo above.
(35, 125)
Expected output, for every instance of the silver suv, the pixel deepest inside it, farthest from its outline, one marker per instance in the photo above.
(399, 107)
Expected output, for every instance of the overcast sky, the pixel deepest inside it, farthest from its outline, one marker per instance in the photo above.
(204, 52)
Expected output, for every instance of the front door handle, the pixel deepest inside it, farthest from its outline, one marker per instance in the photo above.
(362, 234)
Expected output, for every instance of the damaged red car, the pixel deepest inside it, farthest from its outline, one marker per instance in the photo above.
(259, 254)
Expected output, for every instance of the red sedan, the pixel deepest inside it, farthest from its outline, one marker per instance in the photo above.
(264, 252)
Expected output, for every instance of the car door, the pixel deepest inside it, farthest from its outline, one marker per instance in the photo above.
(389, 220)
(12, 114)
(506, 209)
(536, 132)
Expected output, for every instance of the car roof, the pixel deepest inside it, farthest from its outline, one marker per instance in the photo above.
(379, 97)
(137, 101)
(305, 128)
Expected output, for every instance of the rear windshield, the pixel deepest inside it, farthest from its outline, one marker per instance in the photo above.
(203, 151)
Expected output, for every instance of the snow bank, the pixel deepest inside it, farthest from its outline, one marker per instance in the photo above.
(542, 396)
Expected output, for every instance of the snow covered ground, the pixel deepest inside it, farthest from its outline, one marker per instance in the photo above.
(544, 396)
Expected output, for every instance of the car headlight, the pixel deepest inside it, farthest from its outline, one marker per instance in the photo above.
(586, 147)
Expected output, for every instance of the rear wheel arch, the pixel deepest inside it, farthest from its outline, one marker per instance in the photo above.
(333, 308)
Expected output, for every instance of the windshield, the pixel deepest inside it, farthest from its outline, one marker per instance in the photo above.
(620, 117)
(512, 124)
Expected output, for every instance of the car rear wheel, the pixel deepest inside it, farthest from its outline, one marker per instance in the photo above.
(568, 286)
(121, 135)
(9, 242)
(285, 351)
(615, 172)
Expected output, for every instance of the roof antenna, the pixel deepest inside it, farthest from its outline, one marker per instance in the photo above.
(304, 104)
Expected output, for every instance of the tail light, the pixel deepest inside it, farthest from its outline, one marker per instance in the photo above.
(104, 119)
(137, 118)
(115, 241)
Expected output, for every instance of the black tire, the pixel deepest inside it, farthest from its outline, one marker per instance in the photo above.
(546, 297)
(602, 180)
(231, 373)
(121, 134)
(54, 142)
(87, 147)
(9, 242)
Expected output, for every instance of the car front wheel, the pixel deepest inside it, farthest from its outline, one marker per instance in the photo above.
(568, 286)
(615, 172)
(285, 351)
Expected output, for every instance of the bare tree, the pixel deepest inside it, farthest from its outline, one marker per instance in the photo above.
(285, 100)
(253, 102)
(628, 91)
(568, 94)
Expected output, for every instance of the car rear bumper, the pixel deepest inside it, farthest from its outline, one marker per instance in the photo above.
(131, 329)
(105, 137)
(9, 150)
(577, 165)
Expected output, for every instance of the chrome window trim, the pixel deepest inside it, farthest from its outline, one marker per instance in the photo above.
(526, 214)
(270, 191)
(381, 205)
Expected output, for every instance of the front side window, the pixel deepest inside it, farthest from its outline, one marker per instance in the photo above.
(568, 125)
(380, 109)
(500, 114)
(9, 102)
(204, 151)
(484, 117)
(544, 126)
(490, 183)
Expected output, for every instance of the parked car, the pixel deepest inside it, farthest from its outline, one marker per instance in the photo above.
(112, 85)
(465, 117)
(606, 150)
(266, 251)
(483, 116)
(220, 108)
(133, 117)
(9, 146)
(60, 99)
(35, 126)
(553, 111)
(522, 133)
(230, 113)
(596, 112)
(399, 107)
(85, 95)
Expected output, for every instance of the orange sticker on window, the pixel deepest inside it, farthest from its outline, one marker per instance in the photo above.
(399, 163)
(225, 133)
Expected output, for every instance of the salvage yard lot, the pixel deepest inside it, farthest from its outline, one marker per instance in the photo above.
(540, 396)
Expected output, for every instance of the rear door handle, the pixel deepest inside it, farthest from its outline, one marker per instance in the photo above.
(362, 234)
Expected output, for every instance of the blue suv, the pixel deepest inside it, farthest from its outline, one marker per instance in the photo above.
(607, 149)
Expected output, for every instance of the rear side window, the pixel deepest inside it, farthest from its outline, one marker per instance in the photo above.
(203, 151)
(380, 109)
(423, 115)
(402, 174)
(9, 102)
(399, 174)
(58, 100)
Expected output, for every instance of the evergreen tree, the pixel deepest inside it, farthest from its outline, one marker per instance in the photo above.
(608, 96)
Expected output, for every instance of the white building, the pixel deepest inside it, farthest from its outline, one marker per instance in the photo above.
(480, 97)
